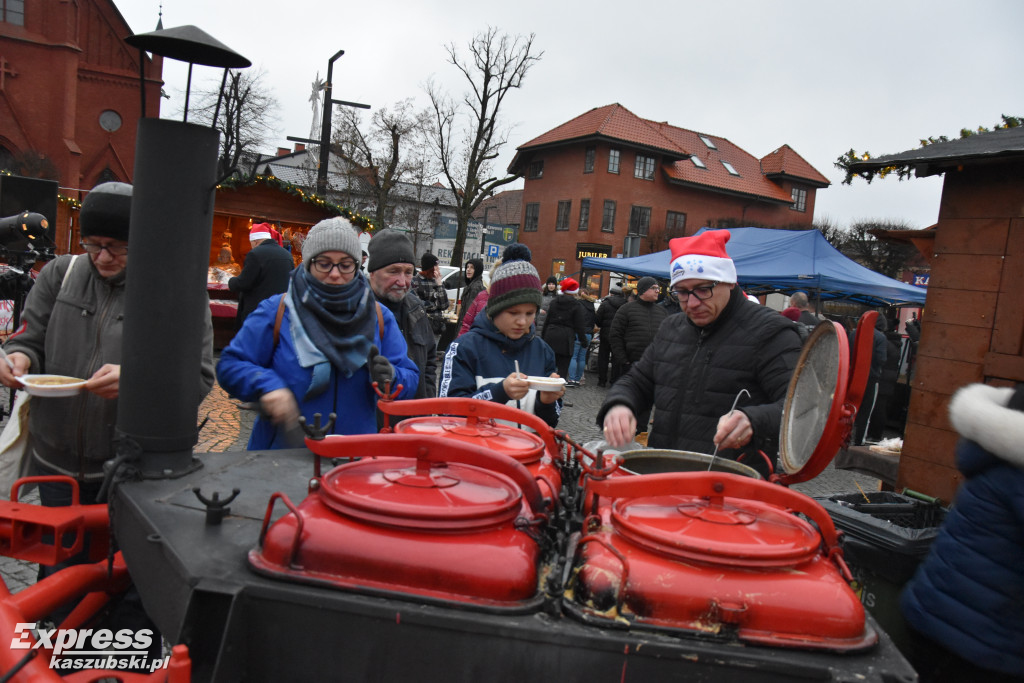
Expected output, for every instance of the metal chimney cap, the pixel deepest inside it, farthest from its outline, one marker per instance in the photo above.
(189, 44)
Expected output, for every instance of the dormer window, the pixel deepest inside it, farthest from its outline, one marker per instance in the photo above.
(729, 168)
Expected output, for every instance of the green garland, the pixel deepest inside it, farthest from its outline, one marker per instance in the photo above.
(361, 222)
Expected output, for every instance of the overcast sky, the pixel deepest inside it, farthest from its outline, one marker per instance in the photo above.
(819, 75)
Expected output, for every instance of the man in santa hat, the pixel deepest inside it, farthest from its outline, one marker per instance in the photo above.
(264, 273)
(699, 362)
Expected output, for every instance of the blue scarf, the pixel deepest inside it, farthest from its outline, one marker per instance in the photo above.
(332, 325)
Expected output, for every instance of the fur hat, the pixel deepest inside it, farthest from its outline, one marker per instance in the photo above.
(570, 286)
(106, 211)
(513, 283)
(331, 234)
(387, 247)
(702, 257)
(428, 261)
(645, 283)
(261, 231)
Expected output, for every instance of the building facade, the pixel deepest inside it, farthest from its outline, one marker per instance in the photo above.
(70, 96)
(611, 183)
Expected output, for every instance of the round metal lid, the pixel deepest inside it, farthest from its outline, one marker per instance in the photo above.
(526, 447)
(811, 432)
(720, 530)
(416, 494)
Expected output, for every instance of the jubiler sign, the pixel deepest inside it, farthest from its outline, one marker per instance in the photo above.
(586, 250)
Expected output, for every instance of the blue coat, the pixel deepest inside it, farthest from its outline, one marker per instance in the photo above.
(250, 366)
(478, 362)
(968, 594)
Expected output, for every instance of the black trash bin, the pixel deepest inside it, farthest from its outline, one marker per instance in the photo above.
(886, 535)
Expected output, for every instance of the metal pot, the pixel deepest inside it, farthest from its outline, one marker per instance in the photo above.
(656, 461)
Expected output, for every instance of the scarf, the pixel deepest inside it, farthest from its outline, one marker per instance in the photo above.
(332, 325)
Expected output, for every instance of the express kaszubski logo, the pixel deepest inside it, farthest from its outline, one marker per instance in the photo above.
(86, 648)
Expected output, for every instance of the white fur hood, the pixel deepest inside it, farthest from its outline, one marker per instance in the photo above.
(979, 413)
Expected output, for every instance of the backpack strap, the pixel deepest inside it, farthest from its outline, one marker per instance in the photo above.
(277, 320)
(67, 273)
(280, 314)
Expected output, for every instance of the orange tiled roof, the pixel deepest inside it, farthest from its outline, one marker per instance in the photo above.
(785, 161)
(612, 121)
(618, 123)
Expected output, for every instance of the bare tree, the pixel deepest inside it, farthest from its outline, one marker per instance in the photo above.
(381, 153)
(467, 136)
(887, 257)
(247, 118)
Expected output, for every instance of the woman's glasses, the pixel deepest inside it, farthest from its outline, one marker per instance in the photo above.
(325, 266)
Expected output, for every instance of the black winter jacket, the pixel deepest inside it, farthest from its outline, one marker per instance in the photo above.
(634, 328)
(564, 324)
(606, 312)
(692, 376)
(264, 274)
(413, 321)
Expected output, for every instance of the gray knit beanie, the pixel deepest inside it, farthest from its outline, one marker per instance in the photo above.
(106, 211)
(387, 247)
(331, 234)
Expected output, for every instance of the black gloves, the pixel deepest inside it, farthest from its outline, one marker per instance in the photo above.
(381, 370)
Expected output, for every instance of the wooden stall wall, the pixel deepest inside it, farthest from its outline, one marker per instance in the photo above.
(973, 325)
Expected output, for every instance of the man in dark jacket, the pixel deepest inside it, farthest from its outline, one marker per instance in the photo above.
(264, 273)
(699, 362)
(605, 315)
(564, 325)
(391, 267)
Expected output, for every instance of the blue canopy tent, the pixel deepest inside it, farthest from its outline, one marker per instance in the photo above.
(785, 261)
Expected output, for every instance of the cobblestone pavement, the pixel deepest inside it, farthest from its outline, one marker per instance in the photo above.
(227, 428)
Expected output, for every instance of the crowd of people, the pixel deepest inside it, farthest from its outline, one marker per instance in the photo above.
(346, 326)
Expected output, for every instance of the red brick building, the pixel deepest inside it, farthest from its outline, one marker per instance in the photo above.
(609, 182)
(69, 90)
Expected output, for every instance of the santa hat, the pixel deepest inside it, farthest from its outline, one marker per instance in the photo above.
(702, 257)
(570, 286)
(260, 231)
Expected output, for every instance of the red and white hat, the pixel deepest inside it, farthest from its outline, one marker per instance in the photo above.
(569, 286)
(260, 231)
(702, 257)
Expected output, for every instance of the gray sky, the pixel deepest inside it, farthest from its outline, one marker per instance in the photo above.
(819, 75)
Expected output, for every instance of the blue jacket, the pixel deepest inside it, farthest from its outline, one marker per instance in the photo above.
(478, 362)
(250, 366)
(968, 593)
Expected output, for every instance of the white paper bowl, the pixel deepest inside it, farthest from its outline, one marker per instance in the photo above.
(546, 383)
(48, 386)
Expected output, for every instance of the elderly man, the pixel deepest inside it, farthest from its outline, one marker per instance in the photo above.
(807, 315)
(391, 266)
(265, 272)
(699, 362)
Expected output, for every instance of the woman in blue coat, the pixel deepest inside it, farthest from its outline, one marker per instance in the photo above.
(965, 604)
(331, 343)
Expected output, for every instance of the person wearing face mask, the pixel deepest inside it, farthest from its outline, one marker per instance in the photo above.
(483, 363)
(319, 347)
(391, 267)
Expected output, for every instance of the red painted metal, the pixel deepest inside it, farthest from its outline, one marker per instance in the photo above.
(417, 516)
(716, 553)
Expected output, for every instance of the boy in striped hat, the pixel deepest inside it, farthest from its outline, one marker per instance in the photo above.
(482, 363)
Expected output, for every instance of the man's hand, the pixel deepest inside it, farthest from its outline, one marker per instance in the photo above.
(619, 426)
(550, 397)
(516, 385)
(105, 382)
(734, 430)
(21, 365)
(279, 405)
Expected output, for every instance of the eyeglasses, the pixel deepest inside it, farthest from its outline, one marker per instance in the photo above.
(325, 266)
(113, 250)
(703, 293)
